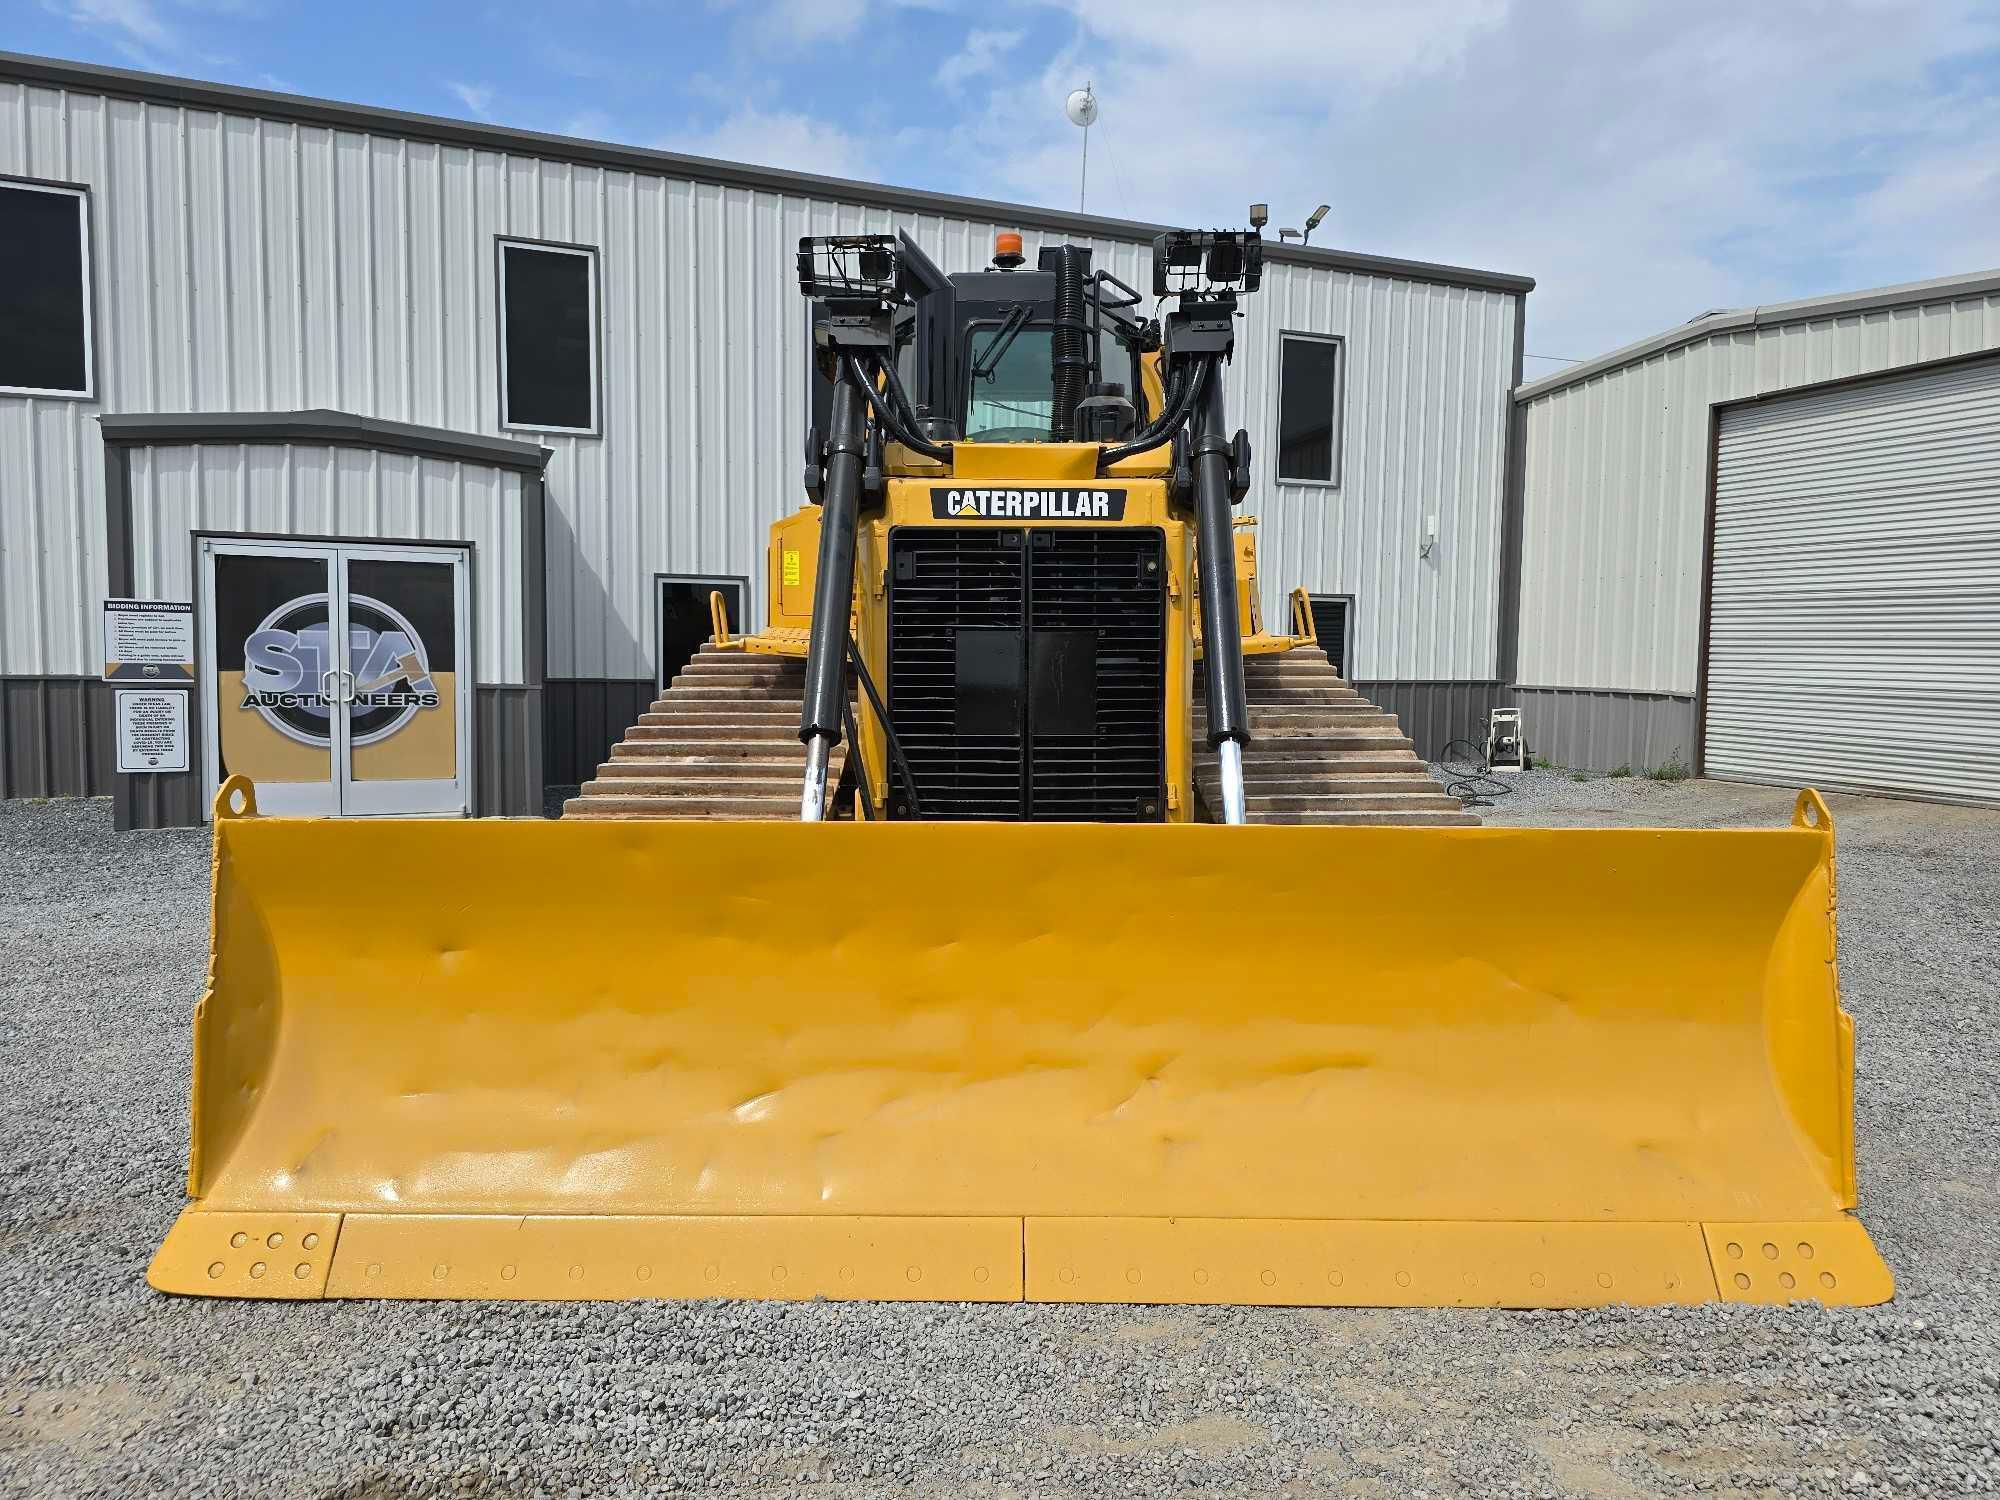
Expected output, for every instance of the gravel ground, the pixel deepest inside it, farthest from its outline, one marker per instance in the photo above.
(111, 1389)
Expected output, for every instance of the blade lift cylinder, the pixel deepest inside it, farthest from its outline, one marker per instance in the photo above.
(833, 591)
(1221, 629)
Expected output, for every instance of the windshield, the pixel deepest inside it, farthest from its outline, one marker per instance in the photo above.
(1011, 398)
(1014, 400)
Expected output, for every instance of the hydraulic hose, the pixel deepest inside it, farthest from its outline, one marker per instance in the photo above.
(1179, 404)
(886, 415)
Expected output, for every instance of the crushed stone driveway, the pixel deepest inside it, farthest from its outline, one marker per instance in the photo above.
(111, 1389)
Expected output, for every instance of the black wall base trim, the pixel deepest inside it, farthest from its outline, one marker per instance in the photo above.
(55, 737)
(57, 740)
(1435, 713)
(585, 717)
(1596, 729)
(507, 770)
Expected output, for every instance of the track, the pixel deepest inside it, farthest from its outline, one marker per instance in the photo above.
(722, 742)
(1321, 753)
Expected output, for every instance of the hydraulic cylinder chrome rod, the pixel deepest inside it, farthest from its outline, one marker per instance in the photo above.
(812, 802)
(1221, 630)
(1229, 761)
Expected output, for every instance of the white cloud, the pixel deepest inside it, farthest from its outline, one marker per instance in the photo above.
(797, 22)
(1644, 163)
(590, 125)
(981, 53)
(135, 26)
(476, 97)
(788, 25)
(777, 139)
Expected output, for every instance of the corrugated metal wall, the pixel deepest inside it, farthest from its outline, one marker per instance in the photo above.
(247, 264)
(1426, 371)
(1854, 620)
(1616, 475)
(314, 490)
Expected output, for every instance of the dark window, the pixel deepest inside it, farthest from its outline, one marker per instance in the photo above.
(548, 337)
(1309, 409)
(44, 301)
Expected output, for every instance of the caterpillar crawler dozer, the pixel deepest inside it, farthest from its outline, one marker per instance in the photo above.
(1050, 1004)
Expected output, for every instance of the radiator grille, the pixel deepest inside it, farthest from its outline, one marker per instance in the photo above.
(1081, 613)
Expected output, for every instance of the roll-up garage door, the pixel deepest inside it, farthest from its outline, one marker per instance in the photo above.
(1854, 626)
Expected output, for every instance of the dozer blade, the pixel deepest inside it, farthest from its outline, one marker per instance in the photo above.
(1062, 1062)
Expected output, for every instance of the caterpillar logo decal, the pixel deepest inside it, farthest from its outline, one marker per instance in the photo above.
(955, 504)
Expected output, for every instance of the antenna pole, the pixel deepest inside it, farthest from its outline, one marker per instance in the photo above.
(1083, 176)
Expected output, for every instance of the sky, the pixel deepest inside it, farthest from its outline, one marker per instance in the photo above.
(1645, 162)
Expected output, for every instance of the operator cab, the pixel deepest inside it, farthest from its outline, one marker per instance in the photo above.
(980, 354)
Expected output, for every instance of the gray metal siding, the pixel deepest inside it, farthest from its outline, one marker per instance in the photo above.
(585, 718)
(1433, 714)
(248, 263)
(56, 737)
(1854, 624)
(1616, 478)
(1423, 433)
(1604, 731)
(316, 490)
(507, 752)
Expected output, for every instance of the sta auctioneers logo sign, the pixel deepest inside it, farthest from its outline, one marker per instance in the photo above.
(290, 671)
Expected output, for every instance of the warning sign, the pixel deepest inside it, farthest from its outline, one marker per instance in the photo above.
(148, 640)
(152, 730)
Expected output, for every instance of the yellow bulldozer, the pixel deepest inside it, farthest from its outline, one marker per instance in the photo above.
(1111, 972)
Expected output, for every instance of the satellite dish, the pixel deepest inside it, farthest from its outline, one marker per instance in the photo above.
(1081, 107)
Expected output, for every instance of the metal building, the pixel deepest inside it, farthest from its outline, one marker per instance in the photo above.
(245, 254)
(1767, 544)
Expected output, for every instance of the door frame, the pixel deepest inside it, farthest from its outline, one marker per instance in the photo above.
(738, 581)
(382, 794)
(207, 549)
(335, 549)
(1346, 602)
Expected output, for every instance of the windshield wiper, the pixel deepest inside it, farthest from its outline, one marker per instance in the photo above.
(987, 364)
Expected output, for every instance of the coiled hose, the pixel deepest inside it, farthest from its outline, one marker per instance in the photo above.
(1070, 345)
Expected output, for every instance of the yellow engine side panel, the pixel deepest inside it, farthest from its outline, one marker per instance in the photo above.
(791, 567)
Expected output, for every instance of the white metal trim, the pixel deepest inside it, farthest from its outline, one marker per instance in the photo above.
(1339, 342)
(85, 246)
(433, 798)
(275, 796)
(737, 581)
(502, 244)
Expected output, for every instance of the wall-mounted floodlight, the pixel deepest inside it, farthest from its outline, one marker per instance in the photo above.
(1313, 223)
(1260, 215)
(1290, 234)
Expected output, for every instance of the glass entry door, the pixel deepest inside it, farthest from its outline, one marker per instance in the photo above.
(338, 676)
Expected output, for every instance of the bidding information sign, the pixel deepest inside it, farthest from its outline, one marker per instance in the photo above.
(148, 640)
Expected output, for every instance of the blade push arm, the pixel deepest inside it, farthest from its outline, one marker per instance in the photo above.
(860, 281)
(1208, 272)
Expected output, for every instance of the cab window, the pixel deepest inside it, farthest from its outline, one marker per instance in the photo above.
(1013, 401)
